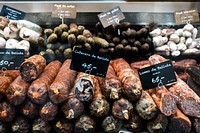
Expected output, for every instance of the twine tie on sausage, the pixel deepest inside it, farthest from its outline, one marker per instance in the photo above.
(157, 126)
(125, 114)
(134, 125)
(15, 127)
(59, 125)
(114, 94)
(4, 113)
(110, 127)
(70, 114)
(87, 126)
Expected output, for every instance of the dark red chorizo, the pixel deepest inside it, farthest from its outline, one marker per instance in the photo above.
(29, 109)
(21, 125)
(179, 123)
(85, 124)
(32, 67)
(6, 78)
(182, 65)
(146, 107)
(194, 86)
(63, 126)
(187, 100)
(111, 86)
(40, 126)
(140, 64)
(48, 111)
(84, 86)
(4, 84)
(37, 91)
(62, 84)
(16, 92)
(122, 109)
(184, 76)
(197, 125)
(134, 124)
(158, 124)
(164, 100)
(99, 106)
(7, 112)
(132, 87)
(111, 124)
(72, 107)
(10, 73)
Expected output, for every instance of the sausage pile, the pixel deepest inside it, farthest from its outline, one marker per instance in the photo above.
(53, 98)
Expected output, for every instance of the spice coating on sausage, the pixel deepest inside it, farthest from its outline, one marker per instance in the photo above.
(62, 84)
(16, 92)
(37, 92)
(132, 87)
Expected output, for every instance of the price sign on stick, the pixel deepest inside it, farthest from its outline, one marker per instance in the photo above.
(111, 17)
(186, 16)
(61, 10)
(157, 75)
(12, 13)
(11, 59)
(90, 62)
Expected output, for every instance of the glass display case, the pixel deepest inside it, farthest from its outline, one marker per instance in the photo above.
(45, 95)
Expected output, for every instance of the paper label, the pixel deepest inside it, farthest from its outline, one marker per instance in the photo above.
(61, 10)
(186, 16)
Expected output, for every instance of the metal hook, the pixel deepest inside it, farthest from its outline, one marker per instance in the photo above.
(62, 18)
(3, 69)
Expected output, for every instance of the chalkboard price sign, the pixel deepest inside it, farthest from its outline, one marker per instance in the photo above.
(157, 75)
(90, 62)
(11, 59)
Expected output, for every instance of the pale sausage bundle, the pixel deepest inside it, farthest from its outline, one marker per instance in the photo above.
(132, 87)
(37, 91)
(62, 84)
(32, 67)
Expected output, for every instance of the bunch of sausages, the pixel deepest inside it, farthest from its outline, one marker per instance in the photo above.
(45, 98)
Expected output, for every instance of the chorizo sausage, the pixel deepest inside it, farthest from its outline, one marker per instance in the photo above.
(62, 84)
(32, 67)
(16, 92)
(37, 92)
(132, 87)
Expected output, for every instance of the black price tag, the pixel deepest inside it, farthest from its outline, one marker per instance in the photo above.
(90, 62)
(11, 59)
(157, 75)
(111, 17)
(12, 13)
